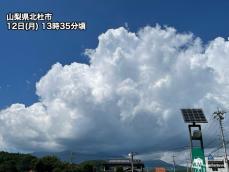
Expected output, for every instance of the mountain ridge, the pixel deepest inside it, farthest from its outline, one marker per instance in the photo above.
(78, 157)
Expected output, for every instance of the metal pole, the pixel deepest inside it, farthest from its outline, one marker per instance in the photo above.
(220, 116)
(190, 159)
(187, 164)
(191, 145)
(224, 145)
(71, 160)
(187, 160)
(223, 138)
(132, 162)
(174, 165)
(131, 155)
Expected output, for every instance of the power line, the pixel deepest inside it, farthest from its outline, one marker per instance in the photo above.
(209, 124)
(212, 125)
(211, 131)
(215, 150)
(218, 148)
(212, 139)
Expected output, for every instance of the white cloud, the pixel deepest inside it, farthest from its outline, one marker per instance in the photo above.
(128, 98)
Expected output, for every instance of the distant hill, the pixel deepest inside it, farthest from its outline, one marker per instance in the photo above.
(76, 156)
(157, 163)
(81, 157)
(42, 161)
(160, 163)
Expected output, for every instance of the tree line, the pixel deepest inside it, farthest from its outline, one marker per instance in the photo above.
(17, 162)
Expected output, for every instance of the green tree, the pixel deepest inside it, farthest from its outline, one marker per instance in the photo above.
(119, 169)
(58, 169)
(48, 164)
(87, 168)
(39, 166)
(8, 166)
(26, 163)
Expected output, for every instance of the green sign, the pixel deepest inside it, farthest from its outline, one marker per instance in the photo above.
(198, 160)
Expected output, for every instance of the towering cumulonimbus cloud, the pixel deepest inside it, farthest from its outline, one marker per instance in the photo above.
(128, 98)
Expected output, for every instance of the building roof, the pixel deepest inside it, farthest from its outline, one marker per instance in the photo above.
(123, 162)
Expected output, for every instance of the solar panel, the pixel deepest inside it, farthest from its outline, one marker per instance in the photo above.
(193, 115)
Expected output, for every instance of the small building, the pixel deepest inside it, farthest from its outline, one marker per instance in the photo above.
(214, 164)
(160, 169)
(125, 165)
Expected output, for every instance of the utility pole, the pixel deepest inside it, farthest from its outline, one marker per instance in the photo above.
(187, 165)
(71, 160)
(219, 115)
(187, 160)
(174, 164)
(131, 155)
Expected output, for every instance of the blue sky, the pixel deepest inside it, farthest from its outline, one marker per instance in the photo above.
(141, 74)
(26, 56)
